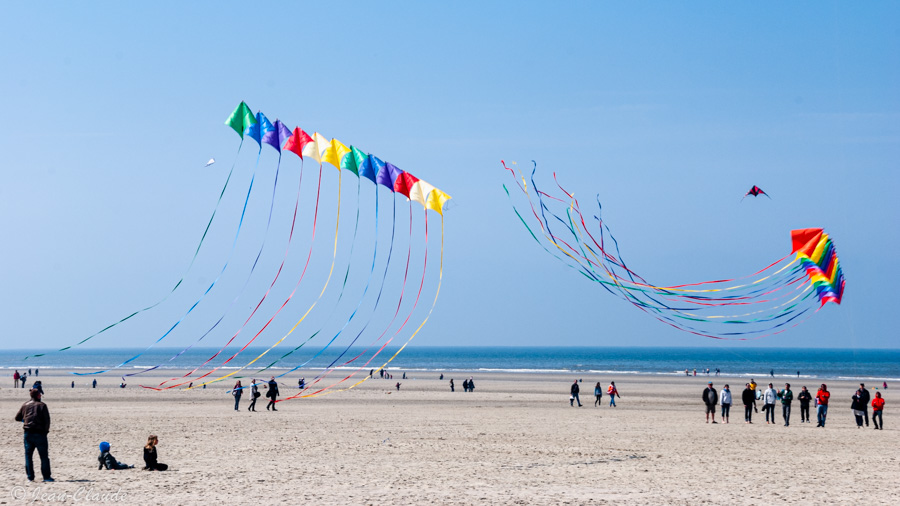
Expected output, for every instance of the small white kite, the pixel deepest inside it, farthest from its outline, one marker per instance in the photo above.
(210, 162)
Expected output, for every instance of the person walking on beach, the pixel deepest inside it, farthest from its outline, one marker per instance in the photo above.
(237, 391)
(613, 392)
(877, 409)
(710, 398)
(786, 397)
(94, 384)
(16, 379)
(23, 378)
(254, 394)
(574, 397)
(398, 386)
(272, 394)
(598, 394)
(725, 401)
(150, 456)
(749, 400)
(822, 396)
(471, 384)
(35, 418)
(452, 389)
(769, 398)
(857, 406)
(465, 385)
(864, 399)
(804, 397)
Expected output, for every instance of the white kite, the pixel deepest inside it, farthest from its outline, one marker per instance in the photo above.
(210, 162)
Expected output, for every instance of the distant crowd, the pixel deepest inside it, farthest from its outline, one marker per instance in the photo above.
(860, 402)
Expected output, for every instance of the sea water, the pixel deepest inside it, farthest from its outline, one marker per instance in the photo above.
(864, 364)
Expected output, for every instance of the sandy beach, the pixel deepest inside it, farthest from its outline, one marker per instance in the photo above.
(515, 440)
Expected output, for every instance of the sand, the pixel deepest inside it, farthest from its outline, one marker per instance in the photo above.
(515, 440)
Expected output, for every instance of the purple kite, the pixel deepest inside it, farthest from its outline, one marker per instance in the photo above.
(755, 191)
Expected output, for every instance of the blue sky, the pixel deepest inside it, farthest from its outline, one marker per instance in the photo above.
(669, 112)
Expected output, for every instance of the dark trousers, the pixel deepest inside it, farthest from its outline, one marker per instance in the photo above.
(859, 420)
(726, 410)
(770, 412)
(577, 399)
(237, 401)
(597, 400)
(877, 420)
(804, 413)
(252, 406)
(786, 413)
(748, 412)
(271, 404)
(866, 414)
(38, 442)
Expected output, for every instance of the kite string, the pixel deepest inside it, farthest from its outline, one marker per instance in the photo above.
(180, 280)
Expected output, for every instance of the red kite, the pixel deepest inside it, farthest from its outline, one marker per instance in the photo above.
(755, 191)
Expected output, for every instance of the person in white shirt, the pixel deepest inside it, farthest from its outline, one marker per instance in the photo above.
(769, 398)
(725, 401)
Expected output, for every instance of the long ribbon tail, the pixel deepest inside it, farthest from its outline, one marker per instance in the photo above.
(197, 302)
(177, 284)
(247, 281)
(324, 288)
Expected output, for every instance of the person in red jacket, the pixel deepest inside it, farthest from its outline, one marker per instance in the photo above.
(877, 408)
(822, 397)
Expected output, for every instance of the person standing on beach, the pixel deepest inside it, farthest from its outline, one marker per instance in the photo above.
(465, 385)
(804, 397)
(857, 407)
(864, 399)
(16, 379)
(613, 392)
(749, 399)
(471, 384)
(574, 390)
(822, 397)
(710, 398)
(237, 391)
(877, 409)
(725, 401)
(598, 394)
(452, 389)
(254, 394)
(272, 394)
(786, 397)
(23, 378)
(769, 398)
(752, 384)
(94, 384)
(35, 418)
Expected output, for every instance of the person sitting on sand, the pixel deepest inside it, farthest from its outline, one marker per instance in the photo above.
(150, 461)
(108, 461)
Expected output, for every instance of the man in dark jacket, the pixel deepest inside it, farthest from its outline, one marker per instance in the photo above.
(272, 394)
(805, 398)
(710, 398)
(575, 389)
(35, 418)
(864, 400)
(748, 397)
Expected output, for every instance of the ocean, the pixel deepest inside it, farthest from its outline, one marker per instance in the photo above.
(864, 364)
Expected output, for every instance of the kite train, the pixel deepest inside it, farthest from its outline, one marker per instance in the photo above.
(348, 340)
(770, 301)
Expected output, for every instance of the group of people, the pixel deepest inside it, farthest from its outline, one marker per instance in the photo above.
(271, 394)
(771, 397)
(611, 391)
(19, 379)
(151, 462)
(35, 418)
